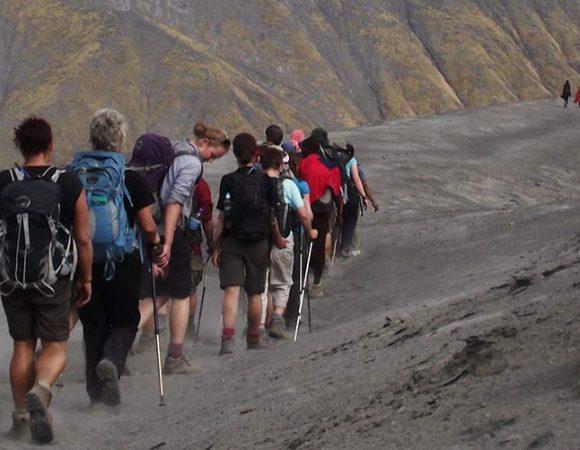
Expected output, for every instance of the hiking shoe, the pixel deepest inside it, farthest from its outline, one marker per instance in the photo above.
(146, 343)
(316, 291)
(255, 345)
(20, 425)
(109, 376)
(355, 253)
(37, 400)
(178, 366)
(278, 330)
(228, 345)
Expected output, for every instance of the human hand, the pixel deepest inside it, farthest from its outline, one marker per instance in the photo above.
(158, 272)
(215, 257)
(313, 234)
(281, 243)
(376, 206)
(82, 291)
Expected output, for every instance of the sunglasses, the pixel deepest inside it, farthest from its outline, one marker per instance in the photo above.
(224, 142)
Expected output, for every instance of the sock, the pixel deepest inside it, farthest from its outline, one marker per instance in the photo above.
(174, 350)
(229, 332)
(44, 384)
(254, 337)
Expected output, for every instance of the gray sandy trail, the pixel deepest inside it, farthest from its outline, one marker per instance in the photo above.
(477, 236)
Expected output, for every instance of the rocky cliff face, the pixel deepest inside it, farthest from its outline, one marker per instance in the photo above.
(243, 65)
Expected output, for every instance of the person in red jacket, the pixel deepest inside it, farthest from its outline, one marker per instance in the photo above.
(324, 182)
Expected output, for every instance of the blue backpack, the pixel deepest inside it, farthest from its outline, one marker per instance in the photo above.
(102, 174)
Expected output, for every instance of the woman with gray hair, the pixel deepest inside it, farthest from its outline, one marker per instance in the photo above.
(119, 201)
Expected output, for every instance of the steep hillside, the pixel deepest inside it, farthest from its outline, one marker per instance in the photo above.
(341, 63)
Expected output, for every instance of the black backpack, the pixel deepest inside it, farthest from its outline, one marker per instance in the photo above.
(250, 214)
(35, 248)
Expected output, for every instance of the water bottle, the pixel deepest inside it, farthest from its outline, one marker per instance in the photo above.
(194, 226)
(228, 211)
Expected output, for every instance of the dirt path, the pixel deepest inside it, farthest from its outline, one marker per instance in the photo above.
(457, 328)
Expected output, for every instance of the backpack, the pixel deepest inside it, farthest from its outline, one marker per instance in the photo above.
(152, 156)
(250, 213)
(35, 247)
(285, 216)
(102, 174)
(337, 156)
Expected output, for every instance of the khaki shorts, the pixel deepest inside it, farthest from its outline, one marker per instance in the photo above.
(31, 315)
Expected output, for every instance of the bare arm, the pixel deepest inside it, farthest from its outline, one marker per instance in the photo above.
(172, 214)
(82, 289)
(208, 230)
(218, 231)
(149, 229)
(306, 222)
(370, 195)
(358, 183)
(307, 206)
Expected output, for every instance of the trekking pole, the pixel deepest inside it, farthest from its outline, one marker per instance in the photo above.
(302, 292)
(205, 271)
(338, 234)
(157, 346)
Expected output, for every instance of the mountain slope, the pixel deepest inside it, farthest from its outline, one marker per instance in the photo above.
(243, 65)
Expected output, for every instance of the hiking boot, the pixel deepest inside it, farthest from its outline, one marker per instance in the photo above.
(278, 330)
(256, 345)
(20, 425)
(37, 400)
(178, 366)
(355, 253)
(316, 291)
(109, 376)
(146, 343)
(228, 345)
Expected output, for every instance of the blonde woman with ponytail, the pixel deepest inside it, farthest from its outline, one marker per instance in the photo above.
(205, 145)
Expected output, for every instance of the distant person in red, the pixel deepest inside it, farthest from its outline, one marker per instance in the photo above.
(577, 97)
(566, 93)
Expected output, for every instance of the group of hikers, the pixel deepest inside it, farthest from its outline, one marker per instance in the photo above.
(110, 242)
(567, 94)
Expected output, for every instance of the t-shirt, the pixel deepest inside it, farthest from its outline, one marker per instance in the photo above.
(349, 165)
(70, 185)
(227, 185)
(202, 198)
(141, 196)
(292, 195)
(302, 187)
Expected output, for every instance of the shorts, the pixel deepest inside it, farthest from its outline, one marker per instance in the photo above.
(244, 264)
(177, 284)
(31, 315)
(197, 267)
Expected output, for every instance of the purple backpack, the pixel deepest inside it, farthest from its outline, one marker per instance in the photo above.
(152, 155)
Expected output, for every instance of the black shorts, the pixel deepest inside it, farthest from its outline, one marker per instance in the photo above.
(31, 315)
(177, 284)
(244, 264)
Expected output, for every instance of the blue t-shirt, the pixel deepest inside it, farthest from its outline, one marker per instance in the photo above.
(349, 166)
(302, 187)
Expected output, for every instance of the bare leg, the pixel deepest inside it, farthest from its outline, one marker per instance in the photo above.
(230, 307)
(22, 372)
(254, 313)
(178, 320)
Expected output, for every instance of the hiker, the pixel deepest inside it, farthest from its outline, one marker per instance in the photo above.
(566, 93)
(282, 260)
(356, 237)
(300, 245)
(110, 321)
(325, 200)
(296, 137)
(577, 97)
(242, 229)
(204, 210)
(356, 196)
(37, 299)
(176, 197)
